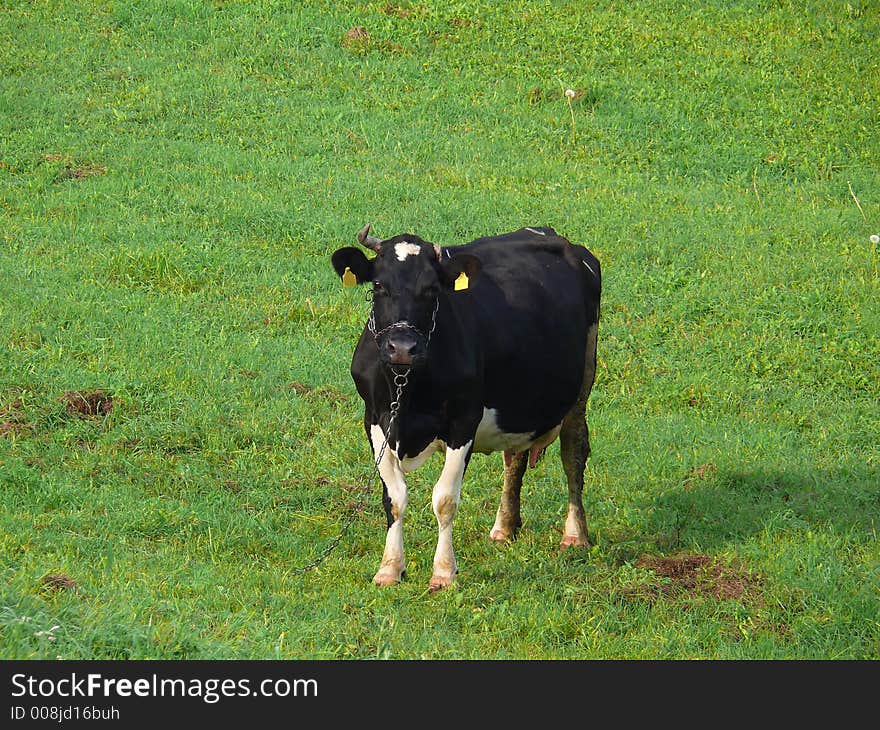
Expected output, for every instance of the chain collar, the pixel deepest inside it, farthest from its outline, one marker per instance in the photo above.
(371, 326)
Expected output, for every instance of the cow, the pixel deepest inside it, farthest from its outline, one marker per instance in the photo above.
(483, 347)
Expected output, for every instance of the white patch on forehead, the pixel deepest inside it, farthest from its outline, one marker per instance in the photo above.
(402, 250)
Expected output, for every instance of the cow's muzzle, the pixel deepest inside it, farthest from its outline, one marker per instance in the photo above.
(400, 343)
(402, 346)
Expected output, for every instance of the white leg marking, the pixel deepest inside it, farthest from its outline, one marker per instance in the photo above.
(393, 562)
(499, 533)
(573, 533)
(445, 499)
(402, 250)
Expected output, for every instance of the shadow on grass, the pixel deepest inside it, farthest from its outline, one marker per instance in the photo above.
(729, 507)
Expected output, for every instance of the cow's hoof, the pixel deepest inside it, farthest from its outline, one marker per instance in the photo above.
(573, 541)
(388, 577)
(438, 583)
(443, 579)
(499, 535)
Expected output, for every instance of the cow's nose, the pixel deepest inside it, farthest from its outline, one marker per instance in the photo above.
(401, 350)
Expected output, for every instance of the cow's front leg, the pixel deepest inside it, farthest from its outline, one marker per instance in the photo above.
(447, 494)
(393, 563)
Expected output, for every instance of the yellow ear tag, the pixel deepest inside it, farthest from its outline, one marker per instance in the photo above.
(461, 282)
(348, 279)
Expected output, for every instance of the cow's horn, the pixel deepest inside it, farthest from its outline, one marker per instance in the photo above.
(367, 240)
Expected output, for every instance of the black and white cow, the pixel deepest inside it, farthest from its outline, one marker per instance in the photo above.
(496, 343)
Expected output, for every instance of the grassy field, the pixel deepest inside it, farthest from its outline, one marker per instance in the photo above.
(173, 179)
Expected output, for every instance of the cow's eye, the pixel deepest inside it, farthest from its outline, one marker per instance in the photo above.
(378, 288)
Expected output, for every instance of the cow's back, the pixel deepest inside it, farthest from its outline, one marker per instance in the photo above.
(532, 304)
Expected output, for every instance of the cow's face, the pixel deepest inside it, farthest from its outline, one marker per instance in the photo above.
(409, 277)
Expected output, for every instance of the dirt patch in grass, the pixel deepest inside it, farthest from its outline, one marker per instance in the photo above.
(702, 473)
(325, 393)
(696, 575)
(11, 419)
(356, 37)
(397, 10)
(359, 39)
(55, 582)
(80, 172)
(11, 409)
(9, 428)
(88, 403)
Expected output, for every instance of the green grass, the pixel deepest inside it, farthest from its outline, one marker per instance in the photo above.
(173, 179)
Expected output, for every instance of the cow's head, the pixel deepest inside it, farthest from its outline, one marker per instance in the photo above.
(410, 277)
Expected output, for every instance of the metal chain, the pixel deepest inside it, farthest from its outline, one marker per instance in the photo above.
(371, 325)
(400, 381)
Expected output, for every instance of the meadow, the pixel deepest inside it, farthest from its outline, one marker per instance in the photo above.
(179, 433)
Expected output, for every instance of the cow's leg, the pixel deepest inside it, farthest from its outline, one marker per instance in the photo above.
(445, 499)
(574, 447)
(507, 519)
(394, 498)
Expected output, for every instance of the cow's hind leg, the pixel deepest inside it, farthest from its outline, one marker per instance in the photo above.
(507, 519)
(574, 447)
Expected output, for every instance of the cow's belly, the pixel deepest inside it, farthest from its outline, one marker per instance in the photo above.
(490, 437)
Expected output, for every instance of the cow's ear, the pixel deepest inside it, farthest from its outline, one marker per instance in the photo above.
(352, 266)
(460, 271)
